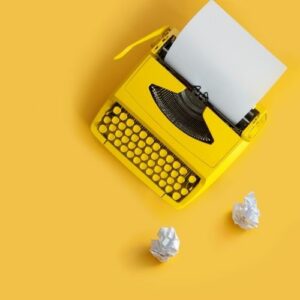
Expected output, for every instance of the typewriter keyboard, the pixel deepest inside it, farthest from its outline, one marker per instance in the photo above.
(147, 153)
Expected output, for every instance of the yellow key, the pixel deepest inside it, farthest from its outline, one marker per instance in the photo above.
(163, 152)
(170, 180)
(141, 144)
(123, 148)
(161, 162)
(119, 133)
(148, 150)
(168, 189)
(106, 120)
(131, 145)
(170, 159)
(144, 157)
(128, 132)
(117, 143)
(162, 183)
(117, 110)
(183, 171)
(151, 163)
(177, 186)
(174, 173)
(112, 127)
(111, 137)
(184, 192)
(164, 175)
(123, 116)
(130, 122)
(121, 125)
(176, 164)
(155, 177)
(176, 196)
(157, 169)
(149, 140)
(143, 134)
(192, 179)
(181, 179)
(154, 156)
(102, 128)
(136, 128)
(134, 138)
(137, 151)
(136, 160)
(149, 171)
(156, 146)
(143, 166)
(130, 154)
(125, 139)
(167, 168)
(115, 120)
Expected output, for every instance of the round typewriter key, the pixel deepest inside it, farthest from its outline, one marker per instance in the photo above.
(168, 189)
(143, 166)
(170, 159)
(141, 144)
(102, 128)
(167, 168)
(106, 119)
(164, 174)
(184, 192)
(149, 171)
(119, 133)
(149, 140)
(130, 154)
(162, 183)
(131, 145)
(115, 120)
(123, 148)
(157, 169)
(136, 160)
(155, 177)
(183, 171)
(144, 157)
(124, 139)
(130, 122)
(117, 143)
(163, 152)
(117, 110)
(111, 137)
(136, 128)
(177, 186)
(148, 150)
(176, 164)
(180, 179)
(170, 180)
(151, 163)
(192, 179)
(123, 116)
(134, 138)
(154, 156)
(122, 126)
(156, 146)
(143, 134)
(161, 162)
(128, 132)
(174, 173)
(112, 127)
(176, 196)
(137, 151)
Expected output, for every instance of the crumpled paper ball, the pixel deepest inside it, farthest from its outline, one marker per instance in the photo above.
(167, 245)
(246, 215)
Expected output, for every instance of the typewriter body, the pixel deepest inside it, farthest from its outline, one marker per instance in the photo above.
(166, 131)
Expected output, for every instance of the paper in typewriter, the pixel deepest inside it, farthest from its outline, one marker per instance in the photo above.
(216, 53)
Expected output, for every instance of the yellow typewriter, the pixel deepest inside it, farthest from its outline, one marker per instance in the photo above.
(167, 132)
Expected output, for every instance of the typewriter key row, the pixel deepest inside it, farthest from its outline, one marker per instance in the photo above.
(145, 151)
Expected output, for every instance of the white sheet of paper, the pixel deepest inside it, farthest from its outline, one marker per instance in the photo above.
(215, 52)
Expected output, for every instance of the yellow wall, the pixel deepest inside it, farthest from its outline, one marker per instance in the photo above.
(74, 223)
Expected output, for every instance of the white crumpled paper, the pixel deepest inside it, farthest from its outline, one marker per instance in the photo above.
(246, 214)
(167, 245)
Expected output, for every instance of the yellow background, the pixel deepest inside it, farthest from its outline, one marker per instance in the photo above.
(76, 224)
